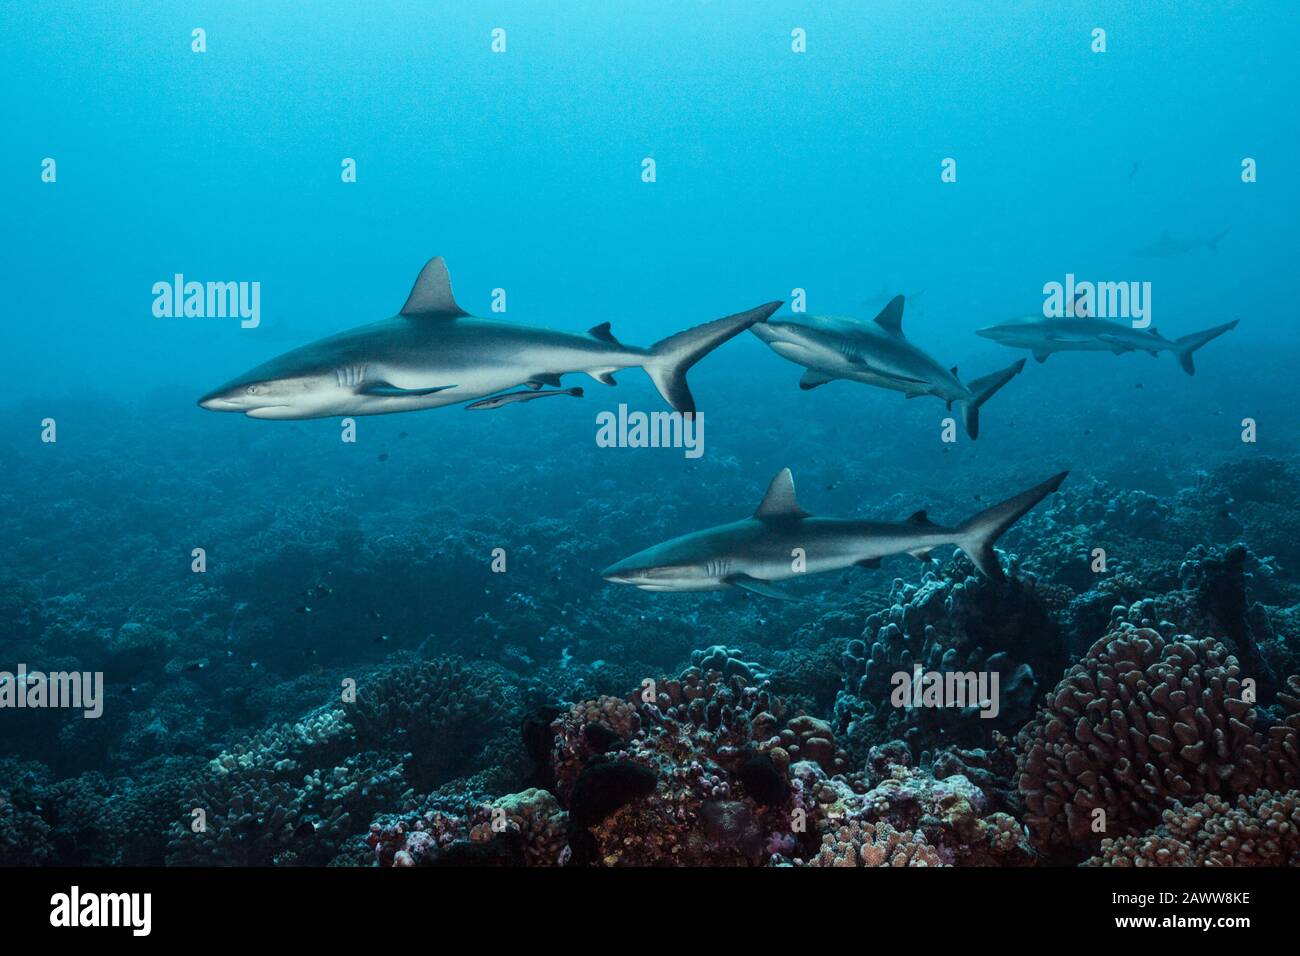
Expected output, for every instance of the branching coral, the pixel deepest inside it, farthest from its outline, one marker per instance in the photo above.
(1262, 829)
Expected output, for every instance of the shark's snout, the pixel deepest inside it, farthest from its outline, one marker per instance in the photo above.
(619, 573)
(220, 401)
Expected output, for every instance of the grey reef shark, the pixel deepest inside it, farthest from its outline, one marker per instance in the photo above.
(754, 552)
(1043, 336)
(877, 353)
(1165, 246)
(433, 354)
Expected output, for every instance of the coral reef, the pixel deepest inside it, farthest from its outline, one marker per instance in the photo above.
(1262, 829)
(1142, 720)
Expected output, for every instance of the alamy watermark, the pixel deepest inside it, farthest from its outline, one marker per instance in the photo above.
(208, 300)
(651, 430)
(77, 690)
(1098, 300)
(957, 689)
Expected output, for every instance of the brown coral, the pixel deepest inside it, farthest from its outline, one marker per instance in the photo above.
(1284, 740)
(859, 843)
(1263, 829)
(1139, 722)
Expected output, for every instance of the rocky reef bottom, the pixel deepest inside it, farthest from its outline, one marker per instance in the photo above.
(1161, 744)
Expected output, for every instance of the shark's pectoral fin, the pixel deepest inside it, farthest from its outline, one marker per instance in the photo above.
(384, 389)
(760, 587)
(871, 563)
(811, 379)
(537, 381)
(1040, 355)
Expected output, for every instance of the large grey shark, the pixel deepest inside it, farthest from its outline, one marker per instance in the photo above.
(877, 353)
(1043, 336)
(433, 353)
(754, 552)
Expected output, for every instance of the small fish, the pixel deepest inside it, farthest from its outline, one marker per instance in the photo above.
(383, 456)
(401, 434)
(496, 401)
(382, 638)
(302, 609)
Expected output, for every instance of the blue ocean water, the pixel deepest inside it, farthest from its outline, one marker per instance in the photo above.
(964, 155)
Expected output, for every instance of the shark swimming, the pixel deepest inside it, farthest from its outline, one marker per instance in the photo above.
(877, 353)
(433, 354)
(756, 551)
(1043, 336)
(1167, 246)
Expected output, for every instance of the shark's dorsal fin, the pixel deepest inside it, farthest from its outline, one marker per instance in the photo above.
(603, 333)
(779, 502)
(920, 520)
(431, 295)
(1081, 309)
(891, 316)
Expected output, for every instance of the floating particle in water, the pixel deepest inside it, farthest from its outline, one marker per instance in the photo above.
(302, 609)
(401, 434)
(383, 456)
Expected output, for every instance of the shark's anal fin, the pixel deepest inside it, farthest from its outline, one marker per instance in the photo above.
(756, 586)
(811, 379)
(431, 295)
(1040, 355)
(383, 389)
(779, 502)
(602, 333)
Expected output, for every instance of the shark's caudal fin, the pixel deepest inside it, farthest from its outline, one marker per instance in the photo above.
(982, 389)
(977, 535)
(1188, 344)
(669, 360)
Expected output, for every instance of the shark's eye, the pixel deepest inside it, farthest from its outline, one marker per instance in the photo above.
(252, 390)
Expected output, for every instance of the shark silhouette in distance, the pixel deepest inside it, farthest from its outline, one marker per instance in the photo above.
(433, 353)
(1166, 246)
(754, 552)
(1043, 336)
(877, 353)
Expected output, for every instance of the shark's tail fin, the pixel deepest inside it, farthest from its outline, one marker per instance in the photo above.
(1188, 344)
(1213, 242)
(977, 535)
(669, 360)
(982, 389)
